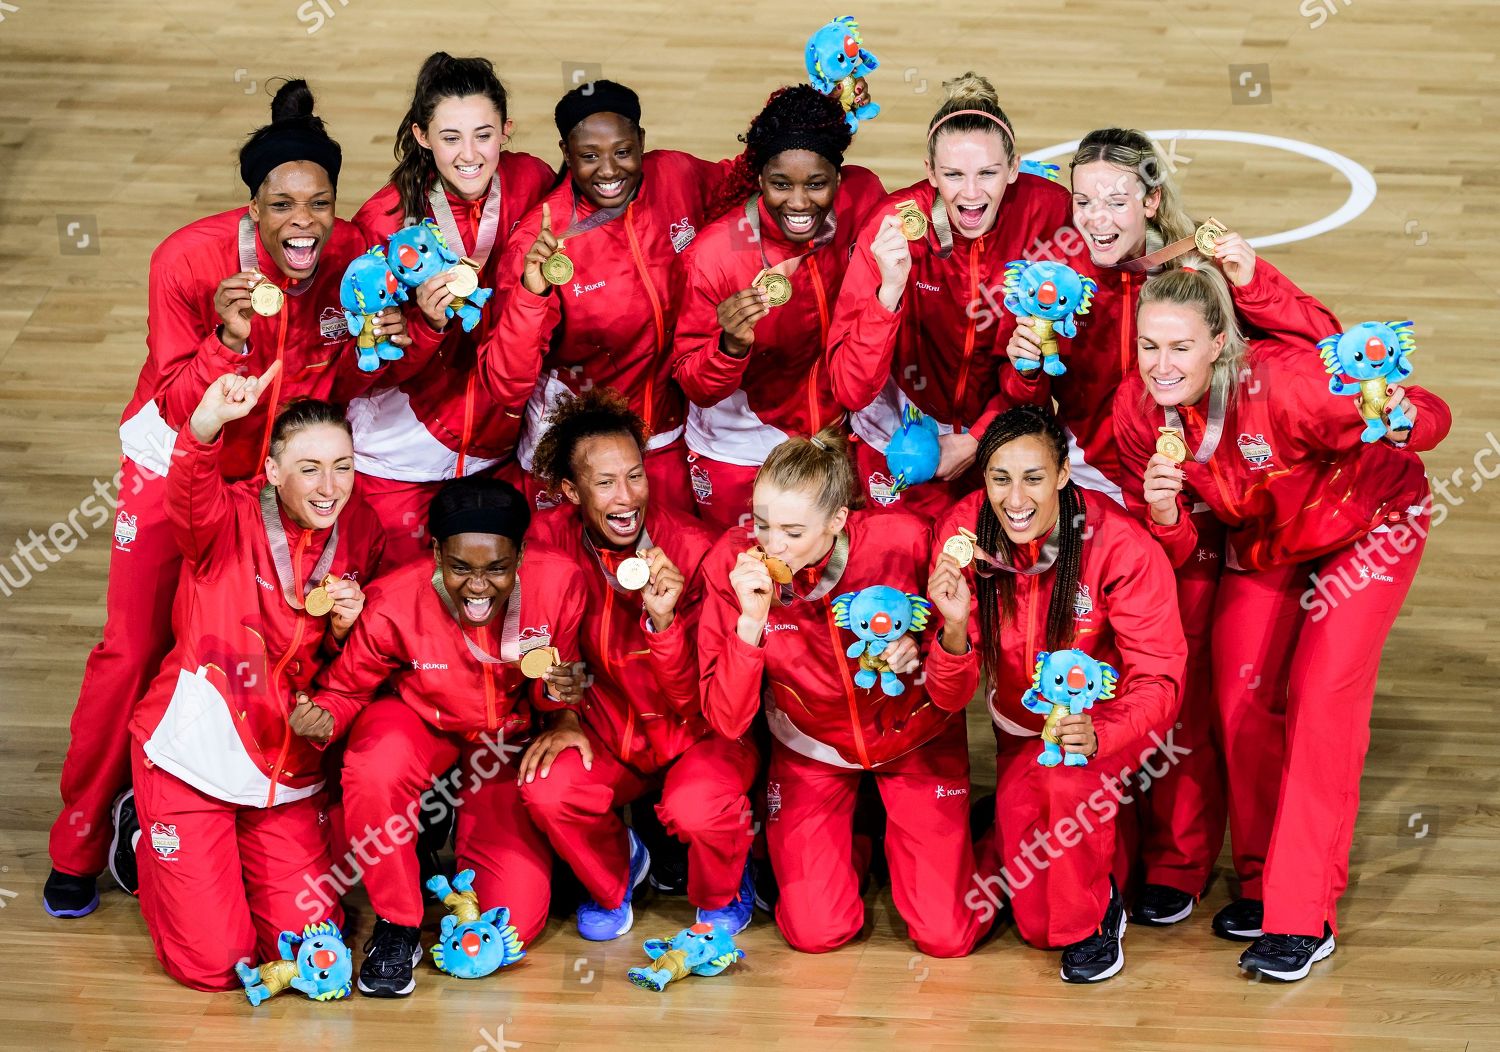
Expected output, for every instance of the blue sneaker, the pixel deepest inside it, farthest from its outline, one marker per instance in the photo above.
(735, 917)
(598, 924)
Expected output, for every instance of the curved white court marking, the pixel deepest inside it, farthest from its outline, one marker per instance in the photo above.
(1361, 183)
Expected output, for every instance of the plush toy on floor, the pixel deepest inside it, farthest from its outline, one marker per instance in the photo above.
(1373, 355)
(367, 289)
(316, 962)
(472, 944)
(879, 615)
(419, 252)
(1065, 683)
(700, 950)
(1050, 294)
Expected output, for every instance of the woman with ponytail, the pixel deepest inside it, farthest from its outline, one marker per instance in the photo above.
(772, 614)
(611, 235)
(1057, 567)
(422, 425)
(1280, 462)
(912, 326)
(751, 365)
(239, 291)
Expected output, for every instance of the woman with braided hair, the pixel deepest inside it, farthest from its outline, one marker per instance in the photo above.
(762, 281)
(1055, 567)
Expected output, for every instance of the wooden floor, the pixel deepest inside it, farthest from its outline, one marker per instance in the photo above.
(124, 117)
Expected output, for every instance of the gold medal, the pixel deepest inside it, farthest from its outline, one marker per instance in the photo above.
(1171, 445)
(266, 299)
(1208, 231)
(557, 268)
(634, 574)
(913, 222)
(780, 572)
(778, 287)
(961, 547)
(537, 663)
(463, 280)
(318, 601)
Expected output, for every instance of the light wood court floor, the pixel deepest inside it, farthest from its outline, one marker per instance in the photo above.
(120, 124)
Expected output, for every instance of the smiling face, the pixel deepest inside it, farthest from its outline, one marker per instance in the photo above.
(798, 187)
(293, 211)
(971, 171)
(313, 473)
(479, 572)
(603, 154)
(1022, 482)
(465, 135)
(1111, 208)
(791, 527)
(1176, 353)
(610, 488)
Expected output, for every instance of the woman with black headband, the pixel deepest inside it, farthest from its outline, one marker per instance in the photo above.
(234, 292)
(455, 661)
(1031, 565)
(762, 282)
(593, 276)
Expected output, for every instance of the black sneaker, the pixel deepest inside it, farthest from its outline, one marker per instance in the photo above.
(1287, 958)
(390, 955)
(1160, 905)
(1102, 954)
(122, 847)
(1240, 920)
(65, 895)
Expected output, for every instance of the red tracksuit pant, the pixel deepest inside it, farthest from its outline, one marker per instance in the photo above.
(810, 830)
(703, 804)
(722, 491)
(1184, 813)
(143, 574)
(1296, 658)
(390, 763)
(220, 882)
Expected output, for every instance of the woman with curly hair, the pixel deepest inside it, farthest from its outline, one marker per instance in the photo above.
(761, 283)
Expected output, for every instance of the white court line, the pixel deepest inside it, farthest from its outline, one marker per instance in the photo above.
(1362, 187)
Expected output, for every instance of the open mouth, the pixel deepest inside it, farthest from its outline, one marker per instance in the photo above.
(970, 217)
(611, 189)
(1020, 521)
(468, 171)
(798, 224)
(479, 610)
(1167, 383)
(324, 509)
(1104, 242)
(624, 524)
(301, 252)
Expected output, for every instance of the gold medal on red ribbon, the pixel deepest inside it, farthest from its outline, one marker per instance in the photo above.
(1171, 445)
(463, 279)
(780, 572)
(913, 222)
(266, 299)
(961, 547)
(1207, 233)
(634, 574)
(537, 663)
(778, 287)
(557, 268)
(318, 601)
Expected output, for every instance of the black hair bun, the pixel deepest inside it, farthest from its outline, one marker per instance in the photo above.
(293, 100)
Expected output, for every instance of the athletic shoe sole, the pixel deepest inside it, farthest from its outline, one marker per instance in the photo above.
(405, 991)
(114, 845)
(84, 912)
(1321, 953)
(1113, 969)
(1162, 922)
(1244, 935)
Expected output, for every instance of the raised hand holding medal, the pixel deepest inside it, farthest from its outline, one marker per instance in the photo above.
(545, 264)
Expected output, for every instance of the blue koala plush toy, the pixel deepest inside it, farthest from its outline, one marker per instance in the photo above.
(1374, 355)
(367, 289)
(700, 950)
(316, 962)
(419, 252)
(472, 944)
(836, 65)
(1052, 294)
(913, 452)
(1065, 683)
(878, 616)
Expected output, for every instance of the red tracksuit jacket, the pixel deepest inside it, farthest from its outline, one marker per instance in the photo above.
(942, 347)
(612, 325)
(427, 424)
(803, 651)
(1290, 476)
(644, 703)
(1125, 614)
(216, 714)
(743, 407)
(309, 337)
(1102, 355)
(406, 643)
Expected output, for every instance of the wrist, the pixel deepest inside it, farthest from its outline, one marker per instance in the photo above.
(563, 720)
(233, 343)
(734, 348)
(662, 622)
(1164, 516)
(751, 629)
(205, 431)
(955, 636)
(890, 296)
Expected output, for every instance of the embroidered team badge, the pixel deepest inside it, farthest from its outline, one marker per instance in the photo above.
(533, 636)
(703, 485)
(125, 531)
(332, 325)
(1256, 450)
(773, 800)
(682, 233)
(164, 839)
(883, 489)
(1083, 603)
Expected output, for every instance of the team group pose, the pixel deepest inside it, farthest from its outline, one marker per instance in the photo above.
(598, 507)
